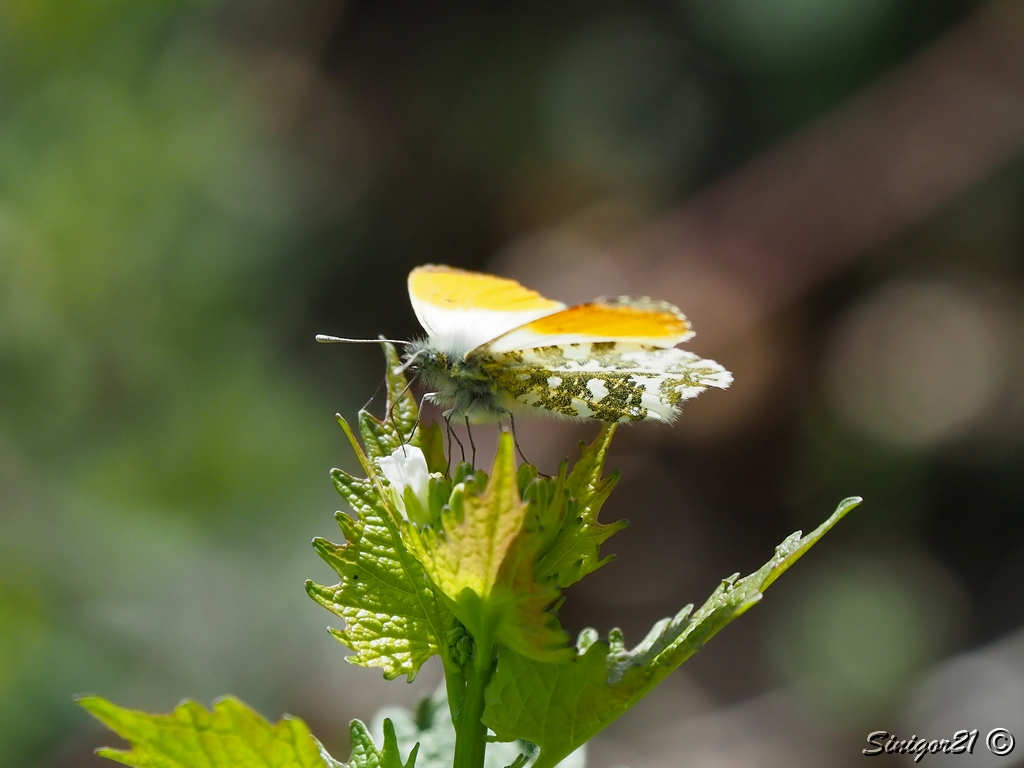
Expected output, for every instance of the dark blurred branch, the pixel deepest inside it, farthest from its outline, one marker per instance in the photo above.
(851, 180)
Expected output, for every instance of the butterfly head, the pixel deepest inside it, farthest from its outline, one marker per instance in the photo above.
(434, 363)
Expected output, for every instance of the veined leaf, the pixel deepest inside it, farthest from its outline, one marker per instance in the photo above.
(366, 755)
(393, 618)
(482, 560)
(561, 706)
(401, 424)
(431, 729)
(232, 736)
(575, 551)
(229, 736)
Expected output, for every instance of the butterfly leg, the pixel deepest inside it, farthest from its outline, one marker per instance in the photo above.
(419, 409)
(515, 438)
(448, 467)
(472, 445)
(453, 436)
(448, 431)
(403, 439)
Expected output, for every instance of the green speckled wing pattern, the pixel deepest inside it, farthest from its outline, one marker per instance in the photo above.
(607, 381)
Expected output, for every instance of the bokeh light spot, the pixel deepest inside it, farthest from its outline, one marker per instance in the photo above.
(857, 635)
(917, 364)
(780, 33)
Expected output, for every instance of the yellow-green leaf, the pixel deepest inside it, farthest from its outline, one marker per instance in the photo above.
(482, 560)
(575, 551)
(232, 736)
(229, 736)
(393, 618)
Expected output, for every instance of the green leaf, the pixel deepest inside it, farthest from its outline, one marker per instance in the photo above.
(400, 425)
(575, 551)
(232, 736)
(366, 755)
(431, 729)
(482, 561)
(229, 736)
(393, 618)
(430, 440)
(561, 706)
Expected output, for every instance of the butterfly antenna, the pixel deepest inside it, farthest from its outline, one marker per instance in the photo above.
(472, 445)
(338, 340)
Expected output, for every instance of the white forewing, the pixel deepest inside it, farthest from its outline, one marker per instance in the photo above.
(458, 331)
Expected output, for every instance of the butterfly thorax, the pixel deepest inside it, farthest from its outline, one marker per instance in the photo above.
(457, 383)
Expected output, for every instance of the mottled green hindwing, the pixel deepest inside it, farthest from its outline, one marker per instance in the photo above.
(607, 381)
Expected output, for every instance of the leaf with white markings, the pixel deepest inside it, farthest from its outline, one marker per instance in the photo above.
(561, 706)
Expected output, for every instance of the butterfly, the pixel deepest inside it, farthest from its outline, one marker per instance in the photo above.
(495, 348)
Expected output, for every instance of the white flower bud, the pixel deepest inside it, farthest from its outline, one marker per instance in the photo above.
(406, 471)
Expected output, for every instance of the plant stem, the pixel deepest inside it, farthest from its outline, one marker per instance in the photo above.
(470, 731)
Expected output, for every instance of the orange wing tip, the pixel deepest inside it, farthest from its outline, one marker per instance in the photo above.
(657, 307)
(620, 318)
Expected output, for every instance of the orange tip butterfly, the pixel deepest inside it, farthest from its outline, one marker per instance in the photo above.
(495, 348)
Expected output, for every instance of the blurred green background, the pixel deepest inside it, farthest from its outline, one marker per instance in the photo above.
(190, 189)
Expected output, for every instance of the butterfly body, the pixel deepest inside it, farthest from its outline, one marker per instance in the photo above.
(460, 386)
(494, 347)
